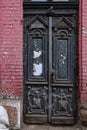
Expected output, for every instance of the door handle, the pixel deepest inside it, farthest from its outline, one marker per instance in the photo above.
(52, 75)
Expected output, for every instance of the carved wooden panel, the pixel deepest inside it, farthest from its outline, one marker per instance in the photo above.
(37, 99)
(62, 101)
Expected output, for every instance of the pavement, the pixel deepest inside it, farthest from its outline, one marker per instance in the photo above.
(49, 127)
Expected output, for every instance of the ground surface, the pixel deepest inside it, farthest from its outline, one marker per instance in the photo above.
(48, 127)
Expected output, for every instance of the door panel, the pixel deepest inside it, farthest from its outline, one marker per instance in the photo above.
(62, 50)
(37, 104)
(49, 71)
(36, 33)
(62, 111)
(63, 83)
(37, 48)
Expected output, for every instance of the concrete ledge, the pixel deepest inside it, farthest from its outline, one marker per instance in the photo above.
(13, 110)
(83, 113)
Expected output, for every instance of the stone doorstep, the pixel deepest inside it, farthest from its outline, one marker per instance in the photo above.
(48, 127)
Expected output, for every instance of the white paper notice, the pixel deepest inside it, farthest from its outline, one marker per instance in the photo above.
(36, 54)
(37, 69)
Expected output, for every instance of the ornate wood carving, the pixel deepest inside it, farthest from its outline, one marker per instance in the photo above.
(37, 99)
(62, 102)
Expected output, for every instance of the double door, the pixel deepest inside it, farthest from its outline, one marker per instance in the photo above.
(50, 68)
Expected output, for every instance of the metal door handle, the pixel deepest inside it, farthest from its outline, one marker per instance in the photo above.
(52, 75)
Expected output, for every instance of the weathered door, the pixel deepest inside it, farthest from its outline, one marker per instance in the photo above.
(50, 60)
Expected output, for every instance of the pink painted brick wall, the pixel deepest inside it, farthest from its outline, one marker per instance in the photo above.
(11, 47)
(83, 51)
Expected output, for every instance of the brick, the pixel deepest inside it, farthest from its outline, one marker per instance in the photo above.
(83, 51)
(11, 72)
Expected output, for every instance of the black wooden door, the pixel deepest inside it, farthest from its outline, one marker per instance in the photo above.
(50, 57)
